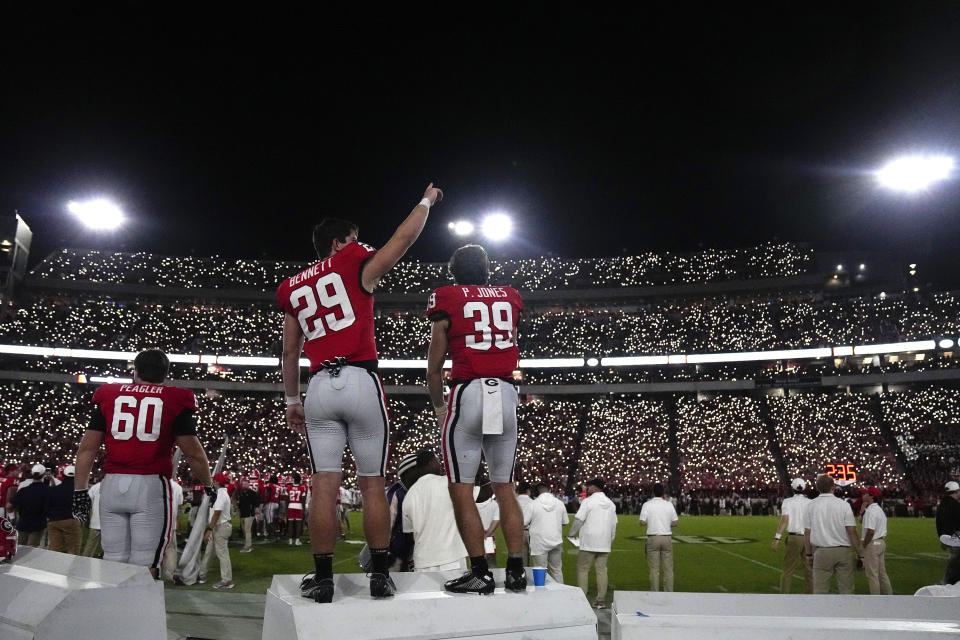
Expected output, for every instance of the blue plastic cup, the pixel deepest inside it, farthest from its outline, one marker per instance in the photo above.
(539, 576)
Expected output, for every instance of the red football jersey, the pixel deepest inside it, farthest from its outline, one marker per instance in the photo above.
(297, 493)
(275, 492)
(334, 312)
(140, 421)
(483, 329)
(6, 482)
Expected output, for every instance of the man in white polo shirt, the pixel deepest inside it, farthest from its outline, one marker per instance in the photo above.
(596, 523)
(874, 536)
(791, 521)
(830, 532)
(659, 517)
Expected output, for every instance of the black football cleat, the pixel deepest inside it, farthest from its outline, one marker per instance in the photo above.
(381, 586)
(470, 583)
(317, 590)
(515, 582)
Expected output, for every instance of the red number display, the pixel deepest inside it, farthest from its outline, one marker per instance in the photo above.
(842, 472)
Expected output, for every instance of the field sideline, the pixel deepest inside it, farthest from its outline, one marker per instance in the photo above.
(711, 554)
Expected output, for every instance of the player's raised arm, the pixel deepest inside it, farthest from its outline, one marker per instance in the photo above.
(402, 239)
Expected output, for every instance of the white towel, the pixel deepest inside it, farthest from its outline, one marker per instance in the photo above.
(492, 406)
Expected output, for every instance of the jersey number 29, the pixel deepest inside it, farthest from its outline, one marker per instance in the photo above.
(142, 421)
(309, 315)
(481, 313)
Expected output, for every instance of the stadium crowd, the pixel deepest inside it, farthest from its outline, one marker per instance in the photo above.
(669, 326)
(722, 442)
(772, 260)
(818, 429)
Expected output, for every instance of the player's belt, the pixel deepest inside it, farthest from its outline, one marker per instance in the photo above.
(454, 383)
(335, 366)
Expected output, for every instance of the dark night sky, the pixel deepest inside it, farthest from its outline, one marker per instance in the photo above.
(624, 132)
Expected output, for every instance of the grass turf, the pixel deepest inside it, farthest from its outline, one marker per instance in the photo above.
(711, 554)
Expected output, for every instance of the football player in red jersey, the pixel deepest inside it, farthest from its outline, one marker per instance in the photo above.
(139, 424)
(329, 317)
(477, 325)
(296, 499)
(9, 479)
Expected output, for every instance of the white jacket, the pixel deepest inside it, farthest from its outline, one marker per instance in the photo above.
(547, 517)
(599, 517)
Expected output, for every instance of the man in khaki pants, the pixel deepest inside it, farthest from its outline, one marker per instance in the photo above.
(659, 517)
(791, 521)
(217, 535)
(830, 539)
(596, 523)
(874, 534)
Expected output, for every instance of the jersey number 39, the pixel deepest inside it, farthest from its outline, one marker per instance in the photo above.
(129, 419)
(481, 313)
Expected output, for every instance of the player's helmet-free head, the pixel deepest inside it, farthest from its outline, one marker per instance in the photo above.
(297, 478)
(470, 265)
(331, 229)
(152, 365)
(274, 479)
(8, 540)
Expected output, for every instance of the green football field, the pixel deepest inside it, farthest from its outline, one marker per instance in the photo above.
(713, 554)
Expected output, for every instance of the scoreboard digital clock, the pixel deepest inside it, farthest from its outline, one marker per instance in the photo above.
(842, 472)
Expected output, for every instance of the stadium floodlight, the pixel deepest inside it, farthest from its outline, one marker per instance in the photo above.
(911, 174)
(461, 227)
(99, 214)
(946, 343)
(497, 226)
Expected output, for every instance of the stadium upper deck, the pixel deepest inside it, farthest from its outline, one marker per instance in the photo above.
(774, 260)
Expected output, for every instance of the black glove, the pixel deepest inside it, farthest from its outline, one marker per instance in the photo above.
(81, 505)
(211, 493)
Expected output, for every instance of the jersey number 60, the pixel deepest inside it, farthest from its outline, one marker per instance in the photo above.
(125, 423)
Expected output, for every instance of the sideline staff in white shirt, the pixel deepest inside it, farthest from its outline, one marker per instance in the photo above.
(547, 517)
(217, 535)
(874, 534)
(830, 532)
(659, 517)
(596, 522)
(428, 515)
(791, 521)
